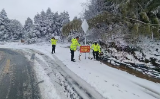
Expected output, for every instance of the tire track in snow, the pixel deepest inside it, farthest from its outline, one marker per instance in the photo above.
(66, 81)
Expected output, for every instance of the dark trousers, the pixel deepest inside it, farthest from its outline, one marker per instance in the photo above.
(95, 55)
(72, 55)
(53, 48)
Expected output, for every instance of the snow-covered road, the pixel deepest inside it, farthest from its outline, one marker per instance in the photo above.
(60, 79)
(87, 79)
(17, 77)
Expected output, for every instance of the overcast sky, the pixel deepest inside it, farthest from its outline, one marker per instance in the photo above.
(21, 9)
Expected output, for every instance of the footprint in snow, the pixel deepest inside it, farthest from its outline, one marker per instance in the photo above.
(120, 90)
(117, 85)
(105, 81)
(133, 93)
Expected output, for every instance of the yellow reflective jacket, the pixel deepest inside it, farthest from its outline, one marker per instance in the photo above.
(54, 41)
(96, 47)
(74, 44)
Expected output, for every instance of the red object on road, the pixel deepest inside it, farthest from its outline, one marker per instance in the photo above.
(84, 49)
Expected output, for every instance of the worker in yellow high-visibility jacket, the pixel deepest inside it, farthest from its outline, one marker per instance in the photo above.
(73, 47)
(53, 42)
(96, 50)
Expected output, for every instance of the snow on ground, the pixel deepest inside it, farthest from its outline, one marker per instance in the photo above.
(151, 49)
(47, 88)
(110, 82)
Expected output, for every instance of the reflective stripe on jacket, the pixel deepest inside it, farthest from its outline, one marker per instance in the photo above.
(74, 44)
(54, 41)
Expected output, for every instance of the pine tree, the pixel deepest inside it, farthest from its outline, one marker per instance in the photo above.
(29, 32)
(4, 26)
(28, 25)
(16, 29)
(37, 19)
(46, 24)
(64, 18)
(49, 22)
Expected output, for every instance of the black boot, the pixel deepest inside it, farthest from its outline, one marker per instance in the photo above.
(73, 60)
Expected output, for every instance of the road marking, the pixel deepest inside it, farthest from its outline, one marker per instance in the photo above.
(7, 66)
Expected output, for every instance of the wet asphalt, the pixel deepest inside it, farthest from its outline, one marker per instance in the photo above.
(17, 77)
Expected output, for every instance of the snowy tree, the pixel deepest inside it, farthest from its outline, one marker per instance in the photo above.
(37, 30)
(16, 29)
(29, 32)
(45, 25)
(49, 15)
(4, 26)
(73, 28)
(28, 25)
(95, 8)
(37, 19)
(48, 24)
(3, 15)
(37, 25)
(43, 16)
(134, 19)
(64, 18)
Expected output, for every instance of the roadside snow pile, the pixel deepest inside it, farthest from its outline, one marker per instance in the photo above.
(146, 60)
